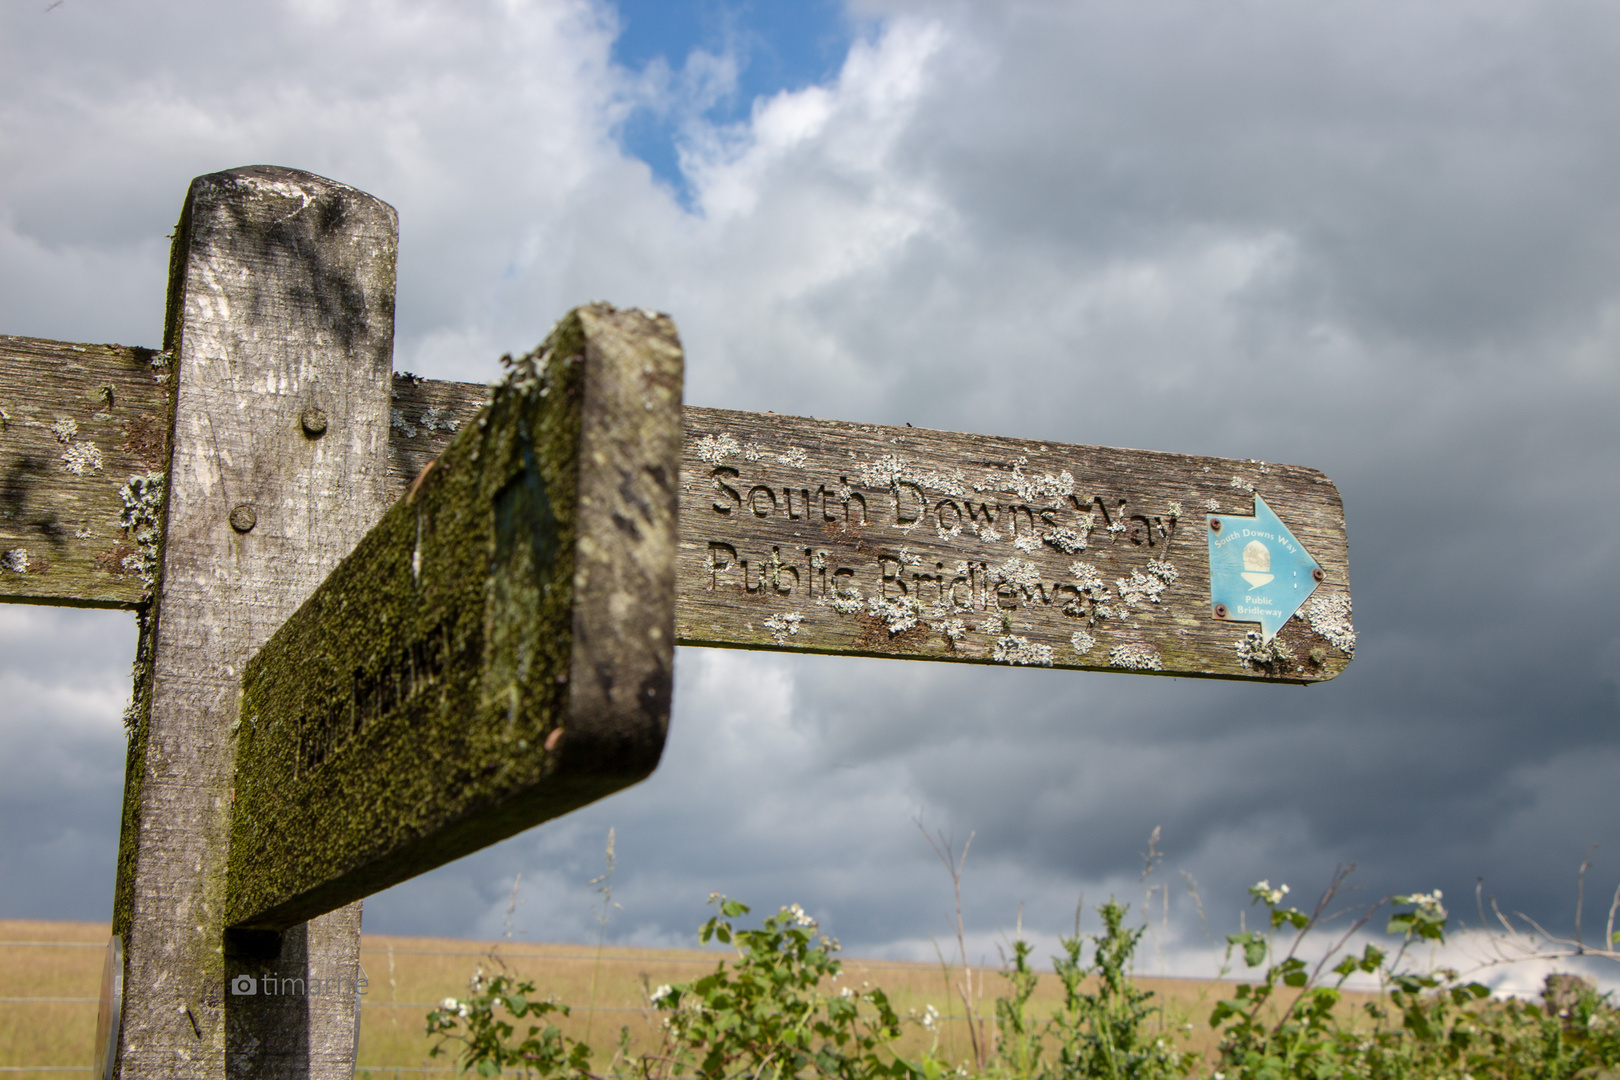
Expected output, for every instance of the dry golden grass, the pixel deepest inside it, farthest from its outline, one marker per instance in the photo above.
(408, 976)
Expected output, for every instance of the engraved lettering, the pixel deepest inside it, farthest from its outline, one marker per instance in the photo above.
(988, 511)
(778, 568)
(854, 497)
(825, 495)
(919, 580)
(753, 500)
(376, 694)
(721, 556)
(886, 576)
(901, 489)
(1141, 530)
(721, 486)
(956, 515)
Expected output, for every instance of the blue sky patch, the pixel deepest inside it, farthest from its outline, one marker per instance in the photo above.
(784, 45)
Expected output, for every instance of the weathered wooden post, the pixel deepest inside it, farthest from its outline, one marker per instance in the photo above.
(280, 337)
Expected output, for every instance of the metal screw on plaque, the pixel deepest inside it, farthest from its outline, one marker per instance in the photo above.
(243, 518)
(314, 421)
(1220, 611)
(1318, 574)
(1214, 524)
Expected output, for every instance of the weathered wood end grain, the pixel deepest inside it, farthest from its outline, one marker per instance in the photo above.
(82, 431)
(281, 300)
(820, 536)
(496, 652)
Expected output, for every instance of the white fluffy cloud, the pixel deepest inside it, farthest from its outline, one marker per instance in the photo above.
(1369, 237)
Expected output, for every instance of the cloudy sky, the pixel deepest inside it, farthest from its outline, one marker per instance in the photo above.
(1378, 238)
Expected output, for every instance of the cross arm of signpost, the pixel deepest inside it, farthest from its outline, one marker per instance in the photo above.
(809, 535)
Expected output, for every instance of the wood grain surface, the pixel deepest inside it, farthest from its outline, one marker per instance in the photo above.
(281, 301)
(820, 536)
(79, 424)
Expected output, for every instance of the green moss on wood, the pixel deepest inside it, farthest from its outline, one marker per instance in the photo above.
(410, 711)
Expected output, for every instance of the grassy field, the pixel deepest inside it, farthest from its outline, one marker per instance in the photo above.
(48, 994)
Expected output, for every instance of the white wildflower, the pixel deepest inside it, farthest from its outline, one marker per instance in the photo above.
(1262, 890)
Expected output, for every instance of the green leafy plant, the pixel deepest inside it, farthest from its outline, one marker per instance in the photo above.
(481, 1023)
(776, 1010)
(768, 1014)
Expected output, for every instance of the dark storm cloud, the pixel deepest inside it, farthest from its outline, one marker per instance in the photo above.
(1376, 239)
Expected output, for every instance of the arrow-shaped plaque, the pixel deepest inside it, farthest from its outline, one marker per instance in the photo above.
(1258, 572)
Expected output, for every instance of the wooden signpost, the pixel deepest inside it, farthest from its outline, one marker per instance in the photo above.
(333, 695)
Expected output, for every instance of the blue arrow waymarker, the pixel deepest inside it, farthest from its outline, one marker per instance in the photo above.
(1258, 572)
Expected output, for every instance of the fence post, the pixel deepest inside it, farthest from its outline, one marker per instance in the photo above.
(280, 329)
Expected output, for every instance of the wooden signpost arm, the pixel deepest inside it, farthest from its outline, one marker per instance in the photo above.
(280, 329)
(497, 651)
(907, 542)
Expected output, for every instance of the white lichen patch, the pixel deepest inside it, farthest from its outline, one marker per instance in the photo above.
(143, 509)
(65, 430)
(397, 421)
(82, 458)
(1135, 656)
(1017, 572)
(437, 419)
(1255, 651)
(908, 558)
(1212, 505)
(1140, 587)
(1014, 649)
(784, 626)
(1030, 488)
(1066, 540)
(998, 623)
(890, 471)
(1082, 642)
(1175, 508)
(1029, 542)
(899, 613)
(1242, 485)
(15, 560)
(1330, 616)
(716, 448)
(795, 458)
(844, 605)
(953, 630)
(1088, 577)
